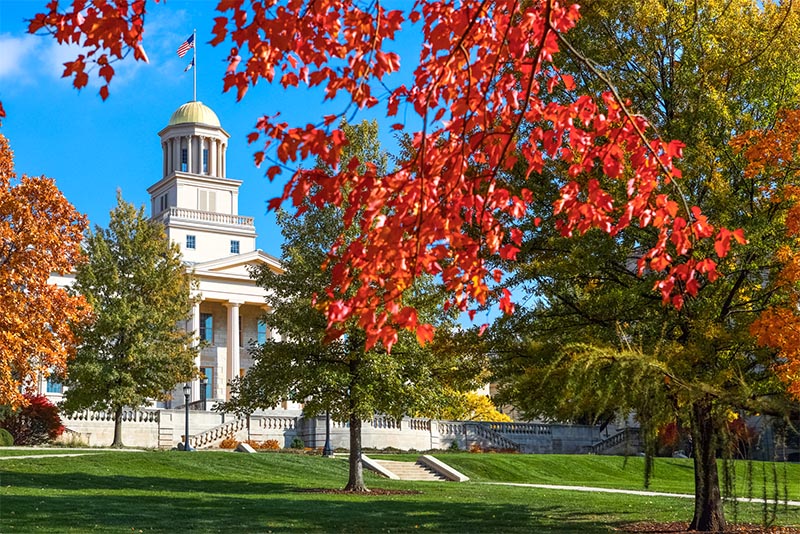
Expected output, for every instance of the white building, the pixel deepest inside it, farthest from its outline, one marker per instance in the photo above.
(198, 205)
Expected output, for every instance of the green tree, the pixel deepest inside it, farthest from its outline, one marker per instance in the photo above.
(340, 375)
(140, 291)
(596, 337)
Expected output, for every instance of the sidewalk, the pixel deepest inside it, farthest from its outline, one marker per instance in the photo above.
(624, 491)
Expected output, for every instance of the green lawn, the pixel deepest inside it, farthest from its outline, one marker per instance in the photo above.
(170, 491)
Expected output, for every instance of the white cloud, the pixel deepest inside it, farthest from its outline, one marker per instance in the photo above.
(19, 54)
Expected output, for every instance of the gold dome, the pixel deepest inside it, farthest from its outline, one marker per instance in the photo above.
(194, 112)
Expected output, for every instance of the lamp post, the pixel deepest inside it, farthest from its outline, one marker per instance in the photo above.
(203, 384)
(187, 390)
(327, 451)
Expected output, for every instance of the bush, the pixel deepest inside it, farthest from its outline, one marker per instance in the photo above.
(270, 445)
(6, 439)
(36, 423)
(229, 443)
(297, 443)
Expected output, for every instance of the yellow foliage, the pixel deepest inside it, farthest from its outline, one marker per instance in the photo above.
(473, 407)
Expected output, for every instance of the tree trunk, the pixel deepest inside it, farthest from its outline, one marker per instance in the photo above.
(708, 513)
(117, 427)
(356, 481)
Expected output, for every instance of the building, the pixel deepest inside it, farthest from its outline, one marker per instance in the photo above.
(198, 204)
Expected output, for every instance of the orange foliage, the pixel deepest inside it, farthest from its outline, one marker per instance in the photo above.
(484, 70)
(773, 154)
(40, 234)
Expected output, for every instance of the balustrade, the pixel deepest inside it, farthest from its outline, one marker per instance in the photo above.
(210, 216)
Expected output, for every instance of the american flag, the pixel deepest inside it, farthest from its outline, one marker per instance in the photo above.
(185, 46)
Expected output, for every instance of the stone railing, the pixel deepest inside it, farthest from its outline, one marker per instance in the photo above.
(419, 424)
(139, 416)
(208, 216)
(383, 421)
(476, 432)
(274, 422)
(489, 437)
(217, 433)
(537, 429)
(627, 435)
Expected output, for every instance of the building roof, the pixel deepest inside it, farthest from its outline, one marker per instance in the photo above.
(194, 112)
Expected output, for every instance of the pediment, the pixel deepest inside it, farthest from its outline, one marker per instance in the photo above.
(237, 266)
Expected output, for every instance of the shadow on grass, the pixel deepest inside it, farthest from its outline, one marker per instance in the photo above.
(279, 513)
(75, 502)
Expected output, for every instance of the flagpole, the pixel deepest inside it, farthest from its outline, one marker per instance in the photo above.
(194, 60)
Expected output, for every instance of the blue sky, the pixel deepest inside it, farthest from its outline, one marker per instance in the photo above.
(92, 148)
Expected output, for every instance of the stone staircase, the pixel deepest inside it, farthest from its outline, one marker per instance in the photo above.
(411, 471)
(626, 441)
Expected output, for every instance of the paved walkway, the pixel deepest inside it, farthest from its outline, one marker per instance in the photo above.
(624, 491)
(80, 452)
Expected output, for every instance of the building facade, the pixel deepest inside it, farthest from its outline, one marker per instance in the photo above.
(198, 204)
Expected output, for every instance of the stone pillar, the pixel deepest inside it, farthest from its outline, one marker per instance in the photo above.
(233, 342)
(212, 157)
(223, 163)
(176, 153)
(188, 154)
(164, 170)
(196, 335)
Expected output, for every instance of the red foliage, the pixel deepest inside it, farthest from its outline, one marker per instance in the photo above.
(37, 422)
(484, 70)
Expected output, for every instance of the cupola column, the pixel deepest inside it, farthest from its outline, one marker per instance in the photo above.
(212, 157)
(176, 153)
(223, 167)
(164, 153)
(189, 154)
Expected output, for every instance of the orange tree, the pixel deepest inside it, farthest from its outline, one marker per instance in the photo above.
(40, 234)
(772, 156)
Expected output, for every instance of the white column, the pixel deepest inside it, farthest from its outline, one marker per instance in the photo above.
(188, 154)
(233, 341)
(176, 153)
(212, 157)
(164, 171)
(223, 171)
(196, 338)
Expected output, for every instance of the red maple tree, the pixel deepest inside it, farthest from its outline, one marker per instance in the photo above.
(488, 97)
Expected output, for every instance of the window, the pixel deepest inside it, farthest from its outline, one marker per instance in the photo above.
(184, 160)
(190, 242)
(209, 373)
(205, 160)
(53, 386)
(163, 202)
(234, 247)
(207, 327)
(262, 332)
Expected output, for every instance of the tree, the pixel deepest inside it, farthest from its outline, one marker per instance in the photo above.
(134, 351)
(471, 406)
(596, 340)
(343, 375)
(485, 72)
(40, 234)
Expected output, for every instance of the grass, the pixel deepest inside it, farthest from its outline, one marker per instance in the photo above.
(206, 492)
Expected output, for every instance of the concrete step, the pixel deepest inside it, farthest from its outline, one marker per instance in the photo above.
(411, 471)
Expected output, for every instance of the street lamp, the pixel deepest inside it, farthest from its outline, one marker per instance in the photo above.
(327, 451)
(203, 384)
(187, 390)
